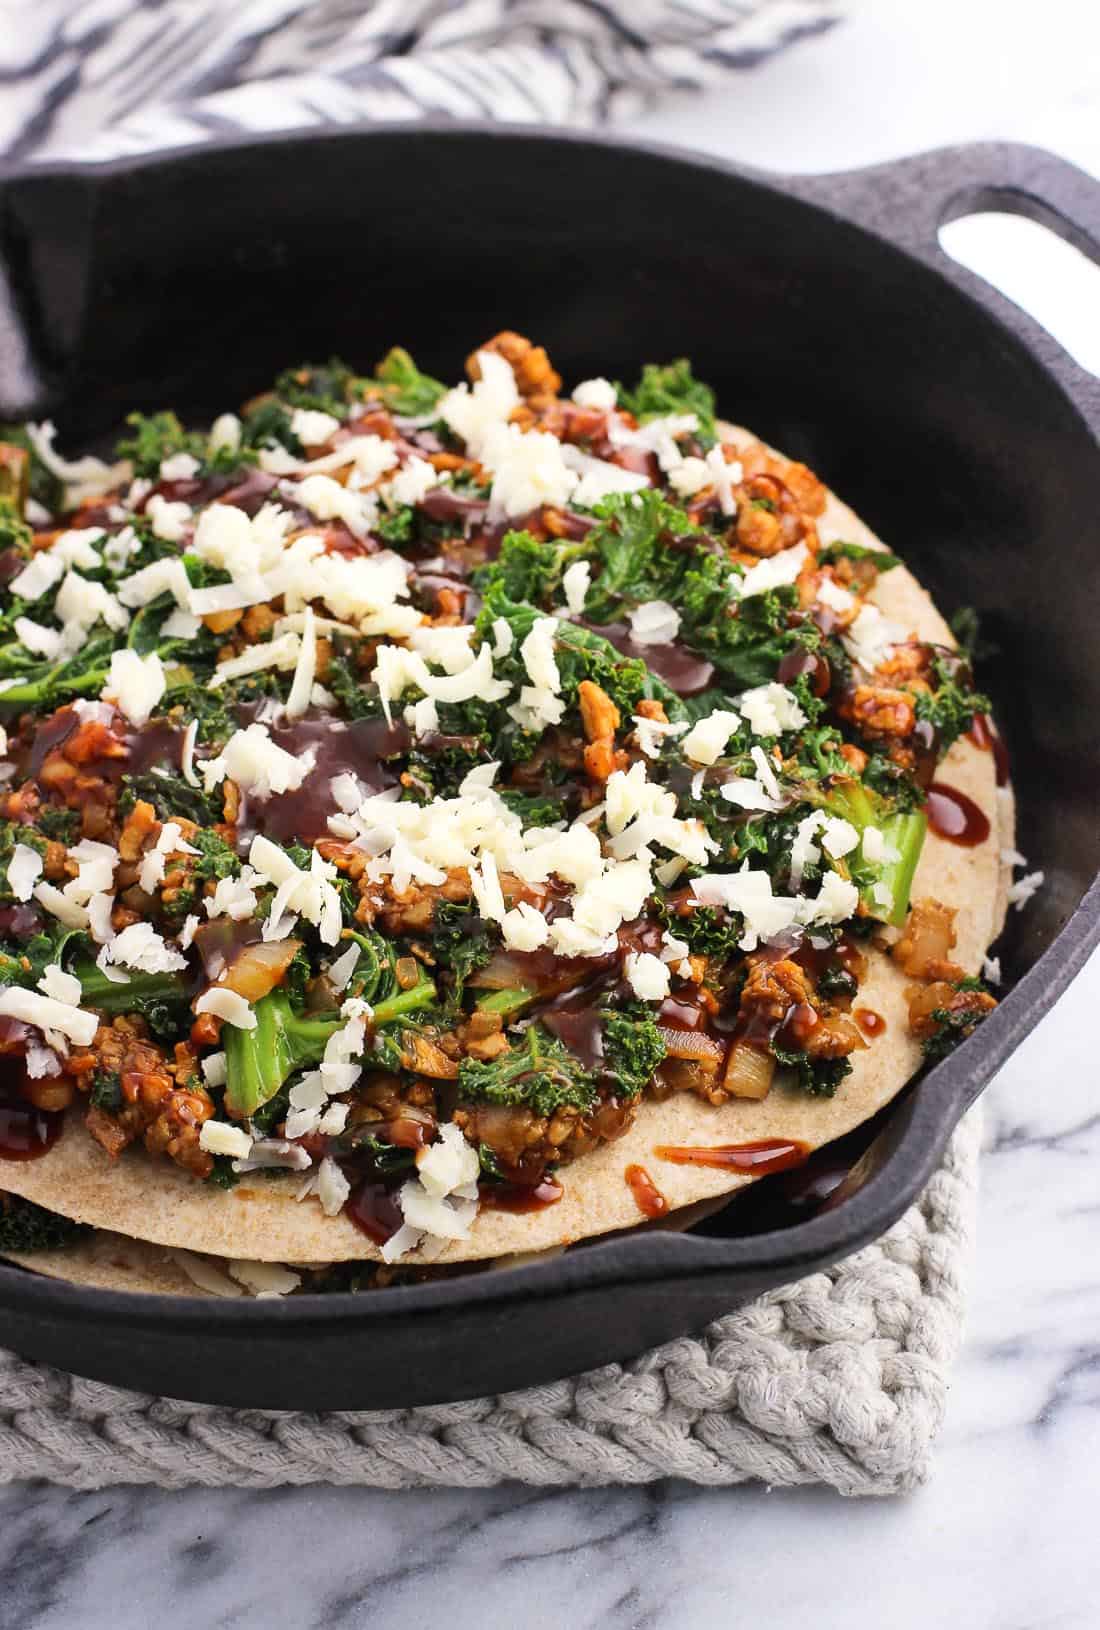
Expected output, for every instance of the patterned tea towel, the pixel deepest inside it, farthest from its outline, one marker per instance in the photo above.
(839, 1379)
(89, 79)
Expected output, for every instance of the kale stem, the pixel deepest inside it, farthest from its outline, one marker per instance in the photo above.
(507, 1002)
(905, 833)
(406, 1001)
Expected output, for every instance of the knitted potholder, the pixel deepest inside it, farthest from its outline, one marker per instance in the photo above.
(839, 1379)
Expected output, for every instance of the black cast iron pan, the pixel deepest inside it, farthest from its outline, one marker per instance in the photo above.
(828, 318)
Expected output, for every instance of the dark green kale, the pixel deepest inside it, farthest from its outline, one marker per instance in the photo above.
(11, 834)
(375, 975)
(171, 796)
(60, 825)
(214, 861)
(266, 422)
(951, 707)
(161, 998)
(711, 931)
(630, 541)
(45, 488)
(530, 570)
(491, 1170)
(632, 1048)
(27, 962)
(260, 1061)
(27, 1227)
(461, 942)
(879, 559)
(157, 436)
(954, 1024)
(539, 808)
(107, 1090)
(819, 1076)
(14, 531)
(580, 654)
(324, 387)
(966, 625)
(402, 387)
(888, 781)
(672, 388)
(747, 639)
(539, 1074)
(218, 712)
(46, 683)
(222, 1175)
(357, 697)
(398, 529)
(584, 653)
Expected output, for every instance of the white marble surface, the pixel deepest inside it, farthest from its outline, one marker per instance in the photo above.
(1005, 1537)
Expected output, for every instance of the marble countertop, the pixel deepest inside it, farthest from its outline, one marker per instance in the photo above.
(1004, 1536)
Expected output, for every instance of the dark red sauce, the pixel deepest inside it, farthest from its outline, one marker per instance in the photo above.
(870, 1022)
(52, 733)
(681, 669)
(684, 1012)
(984, 736)
(580, 1027)
(955, 816)
(361, 748)
(801, 661)
(20, 921)
(373, 1208)
(220, 942)
(26, 1133)
(521, 1197)
(769, 1155)
(156, 745)
(252, 493)
(404, 1133)
(647, 1196)
(441, 504)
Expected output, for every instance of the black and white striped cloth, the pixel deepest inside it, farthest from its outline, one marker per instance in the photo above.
(91, 79)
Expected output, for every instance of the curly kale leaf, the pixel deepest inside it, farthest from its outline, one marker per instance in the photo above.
(107, 1090)
(818, 1076)
(632, 1048)
(268, 421)
(539, 1074)
(671, 387)
(44, 487)
(710, 931)
(461, 943)
(398, 529)
(25, 1226)
(629, 541)
(14, 531)
(402, 386)
(580, 653)
(171, 796)
(528, 569)
(951, 707)
(954, 1024)
(155, 437)
(324, 387)
(747, 639)
(879, 559)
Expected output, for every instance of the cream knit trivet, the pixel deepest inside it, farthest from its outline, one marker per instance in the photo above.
(838, 1379)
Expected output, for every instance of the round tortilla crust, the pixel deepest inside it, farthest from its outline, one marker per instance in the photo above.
(259, 1219)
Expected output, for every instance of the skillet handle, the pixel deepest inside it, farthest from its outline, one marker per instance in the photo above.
(909, 199)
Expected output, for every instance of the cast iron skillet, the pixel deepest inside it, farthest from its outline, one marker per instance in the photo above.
(828, 318)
